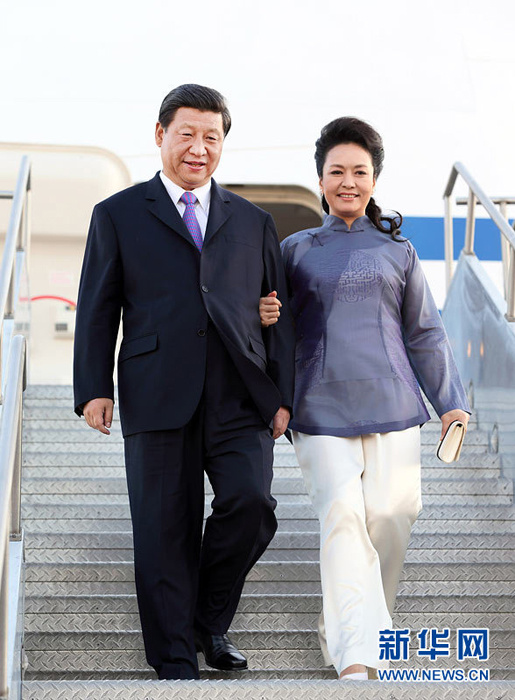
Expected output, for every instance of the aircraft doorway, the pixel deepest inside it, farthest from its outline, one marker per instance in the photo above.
(292, 207)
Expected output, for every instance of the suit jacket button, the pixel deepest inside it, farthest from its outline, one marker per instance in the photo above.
(201, 332)
(204, 288)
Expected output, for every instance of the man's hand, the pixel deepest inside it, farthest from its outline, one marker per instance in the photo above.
(281, 420)
(456, 414)
(99, 414)
(269, 309)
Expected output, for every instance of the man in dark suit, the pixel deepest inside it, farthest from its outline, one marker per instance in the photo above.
(202, 387)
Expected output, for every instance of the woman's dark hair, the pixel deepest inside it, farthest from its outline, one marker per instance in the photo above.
(353, 130)
(197, 97)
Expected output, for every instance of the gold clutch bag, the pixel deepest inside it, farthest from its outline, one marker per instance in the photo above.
(449, 447)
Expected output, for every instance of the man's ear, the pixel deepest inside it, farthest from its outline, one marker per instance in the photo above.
(159, 134)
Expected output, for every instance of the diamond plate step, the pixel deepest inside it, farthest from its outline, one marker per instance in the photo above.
(94, 512)
(496, 493)
(82, 436)
(91, 459)
(259, 690)
(277, 555)
(56, 606)
(283, 540)
(87, 652)
(35, 476)
(99, 589)
(52, 453)
(478, 526)
(249, 676)
(285, 613)
(115, 490)
(276, 571)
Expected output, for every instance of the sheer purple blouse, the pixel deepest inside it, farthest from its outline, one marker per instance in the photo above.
(368, 333)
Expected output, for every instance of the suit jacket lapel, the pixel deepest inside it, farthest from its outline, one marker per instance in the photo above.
(161, 206)
(219, 211)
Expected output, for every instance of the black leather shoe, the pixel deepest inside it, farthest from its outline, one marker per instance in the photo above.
(220, 652)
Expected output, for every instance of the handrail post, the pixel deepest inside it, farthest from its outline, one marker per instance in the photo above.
(10, 491)
(471, 224)
(15, 533)
(1, 358)
(21, 228)
(448, 242)
(9, 307)
(505, 252)
(28, 219)
(510, 293)
(4, 616)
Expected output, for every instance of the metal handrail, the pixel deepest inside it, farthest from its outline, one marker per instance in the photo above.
(495, 200)
(10, 486)
(18, 232)
(477, 195)
(13, 354)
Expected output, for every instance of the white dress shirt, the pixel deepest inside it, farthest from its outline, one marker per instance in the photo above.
(203, 195)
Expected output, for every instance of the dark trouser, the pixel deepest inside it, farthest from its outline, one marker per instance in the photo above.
(184, 580)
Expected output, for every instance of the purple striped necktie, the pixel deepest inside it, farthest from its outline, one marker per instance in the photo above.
(190, 219)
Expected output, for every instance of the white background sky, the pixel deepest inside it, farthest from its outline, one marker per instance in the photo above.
(436, 79)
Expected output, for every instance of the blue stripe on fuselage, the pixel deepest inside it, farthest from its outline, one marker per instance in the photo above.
(427, 235)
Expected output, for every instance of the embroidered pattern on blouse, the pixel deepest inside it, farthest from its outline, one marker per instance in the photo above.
(362, 274)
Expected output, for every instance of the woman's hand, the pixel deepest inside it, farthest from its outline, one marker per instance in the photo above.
(269, 309)
(456, 414)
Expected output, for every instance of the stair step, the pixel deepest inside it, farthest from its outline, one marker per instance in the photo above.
(115, 490)
(105, 459)
(283, 613)
(277, 555)
(93, 453)
(118, 589)
(34, 477)
(122, 541)
(276, 571)
(291, 490)
(82, 436)
(84, 651)
(414, 597)
(269, 689)
(427, 525)
(250, 675)
(96, 513)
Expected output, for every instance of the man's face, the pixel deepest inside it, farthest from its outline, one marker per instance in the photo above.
(191, 146)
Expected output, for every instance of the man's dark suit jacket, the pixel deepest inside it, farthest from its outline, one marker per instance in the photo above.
(141, 259)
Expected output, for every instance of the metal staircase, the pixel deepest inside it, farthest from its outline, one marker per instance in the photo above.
(82, 634)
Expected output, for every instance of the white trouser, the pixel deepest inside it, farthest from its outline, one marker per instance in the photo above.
(367, 494)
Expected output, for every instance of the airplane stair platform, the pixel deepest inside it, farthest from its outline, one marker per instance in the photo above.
(82, 634)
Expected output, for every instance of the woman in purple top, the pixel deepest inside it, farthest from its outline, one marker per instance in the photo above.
(368, 334)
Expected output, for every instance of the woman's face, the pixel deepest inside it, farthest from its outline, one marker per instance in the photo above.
(347, 181)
